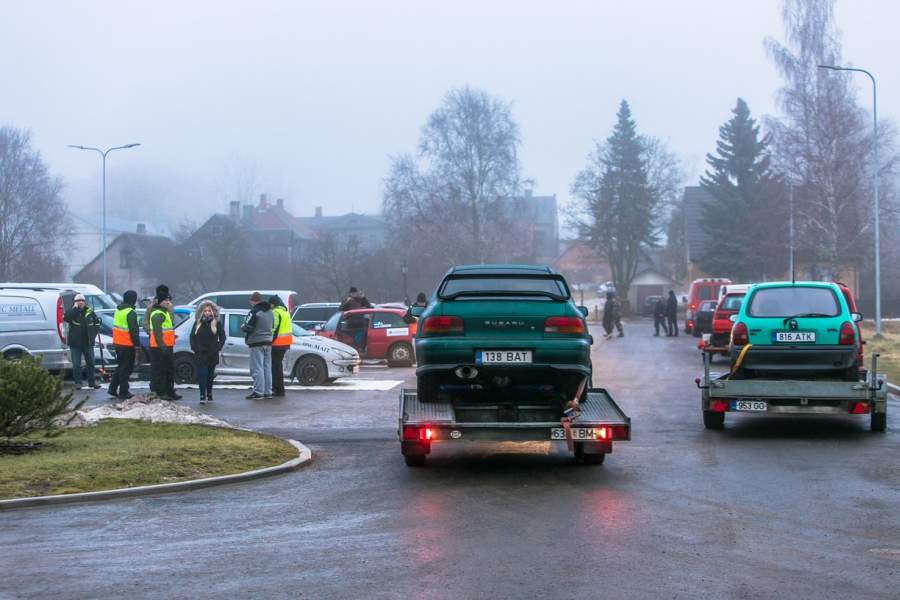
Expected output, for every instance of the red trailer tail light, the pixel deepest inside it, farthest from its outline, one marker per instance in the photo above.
(59, 320)
(859, 408)
(718, 406)
(418, 434)
(565, 325)
(848, 334)
(739, 334)
(443, 325)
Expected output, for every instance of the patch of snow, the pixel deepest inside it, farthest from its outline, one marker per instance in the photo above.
(141, 408)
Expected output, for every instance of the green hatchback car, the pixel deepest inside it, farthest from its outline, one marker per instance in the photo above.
(802, 329)
(502, 333)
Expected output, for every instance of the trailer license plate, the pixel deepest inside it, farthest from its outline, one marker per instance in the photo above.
(749, 405)
(794, 337)
(578, 433)
(501, 357)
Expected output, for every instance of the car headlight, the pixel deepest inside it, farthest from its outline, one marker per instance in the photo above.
(345, 354)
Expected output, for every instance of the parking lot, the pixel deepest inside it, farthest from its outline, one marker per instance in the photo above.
(769, 507)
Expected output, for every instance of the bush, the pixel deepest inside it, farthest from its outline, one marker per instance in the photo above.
(31, 399)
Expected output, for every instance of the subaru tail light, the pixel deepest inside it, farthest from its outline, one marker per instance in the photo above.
(848, 334)
(739, 335)
(565, 325)
(443, 325)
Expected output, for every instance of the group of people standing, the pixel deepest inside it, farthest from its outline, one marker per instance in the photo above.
(665, 315)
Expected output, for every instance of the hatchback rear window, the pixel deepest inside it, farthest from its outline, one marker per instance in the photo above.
(315, 313)
(732, 302)
(794, 301)
(504, 286)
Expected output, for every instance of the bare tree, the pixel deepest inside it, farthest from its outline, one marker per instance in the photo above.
(33, 221)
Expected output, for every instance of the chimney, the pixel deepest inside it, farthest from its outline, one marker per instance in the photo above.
(234, 209)
(280, 203)
(263, 201)
(142, 229)
(318, 212)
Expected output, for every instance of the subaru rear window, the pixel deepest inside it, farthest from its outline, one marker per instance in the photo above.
(794, 302)
(504, 286)
(732, 302)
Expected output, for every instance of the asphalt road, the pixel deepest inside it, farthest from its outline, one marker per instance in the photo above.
(770, 507)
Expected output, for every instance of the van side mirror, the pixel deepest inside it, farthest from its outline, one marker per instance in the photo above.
(583, 310)
(857, 317)
(733, 318)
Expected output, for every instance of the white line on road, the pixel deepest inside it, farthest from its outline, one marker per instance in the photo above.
(352, 385)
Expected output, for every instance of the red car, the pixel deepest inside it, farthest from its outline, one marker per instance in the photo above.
(701, 289)
(729, 304)
(377, 333)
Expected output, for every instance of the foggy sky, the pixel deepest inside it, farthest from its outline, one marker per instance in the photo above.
(309, 99)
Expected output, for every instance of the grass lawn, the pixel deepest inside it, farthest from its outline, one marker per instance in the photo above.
(888, 348)
(123, 453)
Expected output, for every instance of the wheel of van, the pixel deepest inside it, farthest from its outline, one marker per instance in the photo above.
(400, 355)
(713, 420)
(12, 355)
(185, 369)
(311, 370)
(878, 424)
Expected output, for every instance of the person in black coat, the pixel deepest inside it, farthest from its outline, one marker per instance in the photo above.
(207, 340)
(83, 328)
(659, 316)
(672, 314)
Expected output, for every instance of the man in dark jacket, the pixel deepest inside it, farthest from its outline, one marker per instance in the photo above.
(355, 299)
(659, 316)
(357, 324)
(127, 341)
(612, 315)
(258, 328)
(672, 314)
(83, 328)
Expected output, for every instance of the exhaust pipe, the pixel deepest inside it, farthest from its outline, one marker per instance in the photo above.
(466, 372)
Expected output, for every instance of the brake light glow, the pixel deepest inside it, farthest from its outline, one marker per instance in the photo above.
(418, 434)
(718, 406)
(739, 334)
(443, 325)
(59, 320)
(569, 325)
(859, 408)
(848, 334)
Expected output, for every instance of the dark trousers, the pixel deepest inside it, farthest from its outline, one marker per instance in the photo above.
(162, 371)
(206, 372)
(660, 321)
(118, 385)
(77, 354)
(278, 353)
(673, 324)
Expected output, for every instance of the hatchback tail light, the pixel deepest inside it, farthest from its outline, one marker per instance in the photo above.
(568, 325)
(739, 335)
(443, 325)
(848, 334)
(59, 320)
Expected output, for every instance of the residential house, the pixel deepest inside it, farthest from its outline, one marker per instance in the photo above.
(134, 261)
(84, 239)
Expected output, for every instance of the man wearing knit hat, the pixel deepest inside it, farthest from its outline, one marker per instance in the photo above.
(126, 338)
(159, 326)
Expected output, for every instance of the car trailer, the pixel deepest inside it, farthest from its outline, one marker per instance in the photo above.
(719, 394)
(589, 431)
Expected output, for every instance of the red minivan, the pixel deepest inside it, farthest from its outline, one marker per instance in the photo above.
(701, 289)
(376, 333)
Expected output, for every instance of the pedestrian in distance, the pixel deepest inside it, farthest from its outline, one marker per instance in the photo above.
(355, 299)
(126, 338)
(159, 326)
(672, 314)
(83, 328)
(282, 338)
(612, 316)
(258, 327)
(421, 300)
(207, 340)
(358, 324)
(659, 316)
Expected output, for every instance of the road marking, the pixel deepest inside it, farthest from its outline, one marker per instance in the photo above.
(886, 552)
(341, 385)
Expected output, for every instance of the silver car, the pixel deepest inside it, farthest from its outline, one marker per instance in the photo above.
(311, 360)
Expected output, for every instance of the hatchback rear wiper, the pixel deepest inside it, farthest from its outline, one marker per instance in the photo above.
(801, 315)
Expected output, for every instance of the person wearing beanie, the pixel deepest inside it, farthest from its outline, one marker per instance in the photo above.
(258, 328)
(357, 324)
(159, 326)
(126, 339)
(83, 328)
(282, 338)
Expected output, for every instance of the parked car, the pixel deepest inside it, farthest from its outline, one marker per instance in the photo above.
(703, 319)
(311, 360)
(31, 324)
(650, 304)
(802, 329)
(312, 314)
(509, 333)
(700, 290)
(93, 296)
(382, 333)
(179, 314)
(729, 304)
(240, 299)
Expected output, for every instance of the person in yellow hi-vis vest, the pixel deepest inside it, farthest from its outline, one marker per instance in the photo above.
(127, 340)
(159, 326)
(282, 338)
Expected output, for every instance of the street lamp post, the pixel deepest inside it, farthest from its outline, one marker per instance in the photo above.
(103, 154)
(877, 209)
(404, 270)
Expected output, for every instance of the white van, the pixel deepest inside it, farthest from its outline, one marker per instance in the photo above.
(93, 296)
(240, 299)
(31, 323)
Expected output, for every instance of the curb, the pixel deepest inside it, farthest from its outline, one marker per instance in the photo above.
(303, 458)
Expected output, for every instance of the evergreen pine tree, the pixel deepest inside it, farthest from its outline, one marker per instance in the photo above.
(746, 237)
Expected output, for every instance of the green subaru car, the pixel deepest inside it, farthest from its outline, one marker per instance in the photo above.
(504, 334)
(802, 329)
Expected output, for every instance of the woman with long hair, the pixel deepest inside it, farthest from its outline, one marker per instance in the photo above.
(207, 340)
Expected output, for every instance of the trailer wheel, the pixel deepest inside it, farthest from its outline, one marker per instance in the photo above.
(415, 460)
(713, 420)
(878, 423)
(594, 459)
